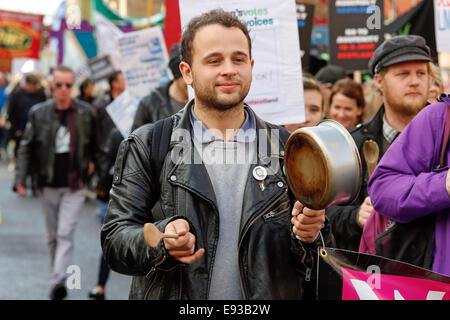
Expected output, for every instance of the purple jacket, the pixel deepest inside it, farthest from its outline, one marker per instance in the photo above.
(406, 186)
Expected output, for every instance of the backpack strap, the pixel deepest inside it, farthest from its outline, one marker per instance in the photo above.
(161, 134)
(160, 143)
(446, 137)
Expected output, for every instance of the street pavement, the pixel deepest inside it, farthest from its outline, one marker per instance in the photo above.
(24, 257)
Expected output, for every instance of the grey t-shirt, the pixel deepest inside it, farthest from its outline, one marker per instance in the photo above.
(228, 164)
(228, 176)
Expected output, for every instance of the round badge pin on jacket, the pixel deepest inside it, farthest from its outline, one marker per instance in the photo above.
(259, 173)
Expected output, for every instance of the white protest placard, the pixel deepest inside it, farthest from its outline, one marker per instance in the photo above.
(276, 93)
(24, 65)
(122, 111)
(144, 60)
(442, 25)
(107, 35)
(142, 57)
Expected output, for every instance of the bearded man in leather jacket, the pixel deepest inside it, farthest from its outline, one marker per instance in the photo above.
(241, 235)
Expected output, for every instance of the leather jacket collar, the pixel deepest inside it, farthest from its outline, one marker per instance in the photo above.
(190, 174)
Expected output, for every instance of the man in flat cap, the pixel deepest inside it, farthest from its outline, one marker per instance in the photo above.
(165, 100)
(401, 69)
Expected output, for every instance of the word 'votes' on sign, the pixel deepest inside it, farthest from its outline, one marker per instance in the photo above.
(275, 94)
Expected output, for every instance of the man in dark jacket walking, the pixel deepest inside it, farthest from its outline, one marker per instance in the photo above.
(105, 124)
(401, 69)
(19, 105)
(166, 100)
(221, 189)
(59, 140)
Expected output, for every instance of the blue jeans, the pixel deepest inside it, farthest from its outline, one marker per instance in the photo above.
(102, 206)
(104, 269)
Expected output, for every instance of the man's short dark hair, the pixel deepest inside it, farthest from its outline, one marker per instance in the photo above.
(113, 77)
(217, 16)
(174, 60)
(32, 79)
(84, 84)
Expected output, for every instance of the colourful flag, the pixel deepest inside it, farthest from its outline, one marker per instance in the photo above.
(20, 37)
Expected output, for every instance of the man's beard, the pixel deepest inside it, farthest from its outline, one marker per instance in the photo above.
(406, 107)
(211, 100)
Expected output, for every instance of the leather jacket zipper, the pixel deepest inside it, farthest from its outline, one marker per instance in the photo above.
(148, 276)
(308, 269)
(272, 213)
(244, 233)
(154, 269)
(308, 274)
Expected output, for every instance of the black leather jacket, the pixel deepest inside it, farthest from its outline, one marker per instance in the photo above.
(153, 107)
(38, 143)
(343, 219)
(104, 123)
(272, 262)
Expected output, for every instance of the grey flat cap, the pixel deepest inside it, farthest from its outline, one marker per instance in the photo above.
(399, 49)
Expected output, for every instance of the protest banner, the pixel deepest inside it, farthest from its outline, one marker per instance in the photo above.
(20, 37)
(101, 67)
(356, 32)
(122, 111)
(320, 31)
(74, 55)
(107, 35)
(349, 275)
(276, 93)
(419, 20)
(144, 60)
(141, 56)
(305, 18)
(442, 25)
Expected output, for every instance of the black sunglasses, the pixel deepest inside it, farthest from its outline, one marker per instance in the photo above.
(60, 84)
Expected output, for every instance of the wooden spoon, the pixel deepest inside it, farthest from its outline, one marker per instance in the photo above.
(371, 154)
(152, 235)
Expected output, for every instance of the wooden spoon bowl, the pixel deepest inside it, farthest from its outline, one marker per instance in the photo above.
(371, 154)
(153, 236)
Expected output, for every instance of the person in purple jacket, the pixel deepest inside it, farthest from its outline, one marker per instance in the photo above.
(411, 189)
(401, 70)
